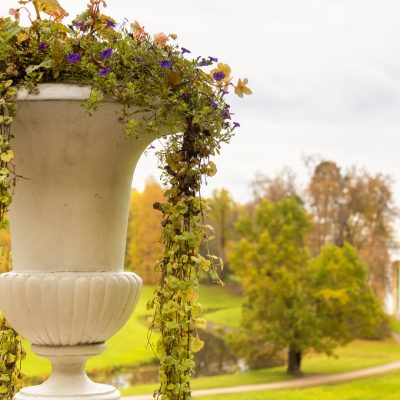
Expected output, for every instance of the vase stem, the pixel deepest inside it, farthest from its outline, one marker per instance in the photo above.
(68, 380)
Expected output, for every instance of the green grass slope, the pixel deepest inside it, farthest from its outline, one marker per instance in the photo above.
(385, 387)
(129, 345)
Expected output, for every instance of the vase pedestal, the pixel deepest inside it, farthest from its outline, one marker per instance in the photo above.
(69, 380)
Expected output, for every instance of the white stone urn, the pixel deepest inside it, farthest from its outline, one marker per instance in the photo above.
(67, 293)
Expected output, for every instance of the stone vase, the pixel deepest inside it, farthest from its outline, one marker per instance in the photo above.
(67, 292)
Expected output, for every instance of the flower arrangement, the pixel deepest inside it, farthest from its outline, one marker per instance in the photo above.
(144, 74)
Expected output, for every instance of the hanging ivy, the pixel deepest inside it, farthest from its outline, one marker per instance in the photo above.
(177, 312)
(11, 352)
(152, 76)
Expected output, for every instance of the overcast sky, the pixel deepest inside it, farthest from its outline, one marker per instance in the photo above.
(325, 76)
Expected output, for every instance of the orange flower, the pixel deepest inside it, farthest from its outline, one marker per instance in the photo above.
(57, 15)
(174, 36)
(241, 88)
(160, 39)
(138, 31)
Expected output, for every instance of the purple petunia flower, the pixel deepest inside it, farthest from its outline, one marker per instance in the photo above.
(236, 124)
(106, 53)
(218, 76)
(225, 114)
(74, 57)
(139, 60)
(150, 48)
(79, 23)
(204, 62)
(42, 46)
(110, 24)
(213, 104)
(213, 59)
(165, 63)
(185, 50)
(104, 71)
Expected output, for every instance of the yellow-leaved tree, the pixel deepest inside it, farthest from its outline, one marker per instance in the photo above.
(144, 232)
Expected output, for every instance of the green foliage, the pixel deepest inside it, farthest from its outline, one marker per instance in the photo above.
(159, 90)
(222, 217)
(295, 303)
(346, 305)
(11, 349)
(177, 313)
(272, 261)
(11, 354)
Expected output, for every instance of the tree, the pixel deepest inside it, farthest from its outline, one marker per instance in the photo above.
(327, 200)
(354, 207)
(293, 303)
(345, 304)
(144, 231)
(271, 260)
(275, 188)
(222, 217)
(5, 250)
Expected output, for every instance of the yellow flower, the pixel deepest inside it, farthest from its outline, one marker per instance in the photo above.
(160, 39)
(224, 69)
(241, 88)
(7, 157)
(174, 36)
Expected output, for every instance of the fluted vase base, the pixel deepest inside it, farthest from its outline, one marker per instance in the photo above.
(68, 380)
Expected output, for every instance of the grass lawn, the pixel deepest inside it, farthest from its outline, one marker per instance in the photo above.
(357, 355)
(129, 345)
(385, 387)
(396, 325)
(227, 316)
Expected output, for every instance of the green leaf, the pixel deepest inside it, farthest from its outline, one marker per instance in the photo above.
(47, 64)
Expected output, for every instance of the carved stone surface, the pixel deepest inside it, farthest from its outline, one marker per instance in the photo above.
(66, 309)
(69, 379)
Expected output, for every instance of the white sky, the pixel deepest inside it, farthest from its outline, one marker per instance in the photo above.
(325, 76)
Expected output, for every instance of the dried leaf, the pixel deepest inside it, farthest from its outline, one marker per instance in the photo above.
(50, 7)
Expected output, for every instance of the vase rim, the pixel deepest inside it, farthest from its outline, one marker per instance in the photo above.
(57, 91)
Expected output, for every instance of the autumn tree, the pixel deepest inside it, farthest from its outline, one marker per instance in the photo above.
(274, 188)
(144, 231)
(327, 201)
(355, 207)
(5, 247)
(293, 303)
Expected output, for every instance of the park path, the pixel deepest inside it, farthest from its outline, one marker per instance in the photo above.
(314, 380)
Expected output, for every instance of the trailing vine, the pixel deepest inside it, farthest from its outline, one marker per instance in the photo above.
(154, 78)
(178, 314)
(11, 353)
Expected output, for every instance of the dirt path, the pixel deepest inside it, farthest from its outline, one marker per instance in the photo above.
(315, 380)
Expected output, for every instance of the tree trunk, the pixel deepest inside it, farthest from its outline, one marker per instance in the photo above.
(294, 362)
